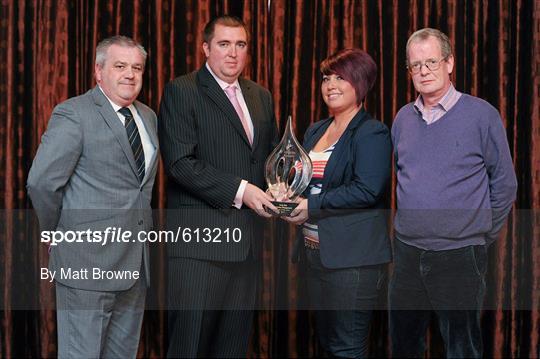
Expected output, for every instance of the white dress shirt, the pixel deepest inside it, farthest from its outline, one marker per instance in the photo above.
(148, 148)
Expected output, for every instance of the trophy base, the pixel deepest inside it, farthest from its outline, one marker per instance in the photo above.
(285, 208)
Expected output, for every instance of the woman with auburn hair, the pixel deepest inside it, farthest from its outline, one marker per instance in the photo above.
(343, 239)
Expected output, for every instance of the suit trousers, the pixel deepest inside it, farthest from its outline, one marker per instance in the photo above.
(95, 324)
(449, 283)
(210, 307)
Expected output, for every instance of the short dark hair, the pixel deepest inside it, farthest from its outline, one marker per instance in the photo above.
(225, 20)
(103, 46)
(355, 66)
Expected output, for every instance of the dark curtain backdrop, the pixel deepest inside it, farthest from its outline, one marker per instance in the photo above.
(46, 56)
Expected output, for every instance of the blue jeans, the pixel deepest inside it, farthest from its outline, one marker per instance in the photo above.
(343, 300)
(452, 284)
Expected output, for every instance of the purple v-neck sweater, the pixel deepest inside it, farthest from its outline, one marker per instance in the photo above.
(455, 178)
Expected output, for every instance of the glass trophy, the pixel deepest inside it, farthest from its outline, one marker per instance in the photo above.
(288, 171)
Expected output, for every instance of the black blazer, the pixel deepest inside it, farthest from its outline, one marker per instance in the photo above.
(206, 155)
(349, 210)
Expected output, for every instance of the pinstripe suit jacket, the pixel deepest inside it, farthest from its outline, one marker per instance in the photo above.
(84, 177)
(206, 155)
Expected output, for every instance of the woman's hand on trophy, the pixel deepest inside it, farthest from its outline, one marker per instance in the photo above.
(300, 214)
(256, 199)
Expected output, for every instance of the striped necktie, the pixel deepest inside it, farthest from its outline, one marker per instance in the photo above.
(134, 140)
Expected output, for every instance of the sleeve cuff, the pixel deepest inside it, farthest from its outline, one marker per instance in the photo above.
(240, 194)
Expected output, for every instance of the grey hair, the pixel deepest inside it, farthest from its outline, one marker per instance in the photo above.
(103, 46)
(423, 34)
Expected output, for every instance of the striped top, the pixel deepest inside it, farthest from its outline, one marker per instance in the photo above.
(319, 161)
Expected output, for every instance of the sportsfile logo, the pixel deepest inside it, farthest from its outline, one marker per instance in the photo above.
(118, 235)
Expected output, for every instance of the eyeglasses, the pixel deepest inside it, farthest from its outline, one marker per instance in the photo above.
(431, 64)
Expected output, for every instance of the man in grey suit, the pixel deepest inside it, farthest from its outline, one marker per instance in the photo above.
(94, 170)
(216, 130)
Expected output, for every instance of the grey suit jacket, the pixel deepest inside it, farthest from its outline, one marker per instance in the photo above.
(84, 177)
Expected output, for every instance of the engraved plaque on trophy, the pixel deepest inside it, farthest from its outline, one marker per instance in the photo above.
(288, 171)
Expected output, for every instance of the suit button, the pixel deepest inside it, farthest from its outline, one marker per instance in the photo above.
(254, 161)
(140, 222)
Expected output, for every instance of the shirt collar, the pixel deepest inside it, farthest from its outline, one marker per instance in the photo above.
(445, 102)
(115, 106)
(222, 83)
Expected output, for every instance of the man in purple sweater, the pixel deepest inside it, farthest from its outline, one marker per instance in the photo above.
(455, 186)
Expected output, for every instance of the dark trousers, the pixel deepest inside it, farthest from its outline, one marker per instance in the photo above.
(210, 308)
(452, 284)
(343, 300)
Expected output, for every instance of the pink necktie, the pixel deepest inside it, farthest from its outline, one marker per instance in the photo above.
(231, 94)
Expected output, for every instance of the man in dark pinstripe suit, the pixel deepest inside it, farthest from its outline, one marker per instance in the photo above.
(216, 130)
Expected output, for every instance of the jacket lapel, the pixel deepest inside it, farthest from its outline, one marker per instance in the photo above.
(151, 134)
(211, 88)
(339, 150)
(111, 118)
(310, 142)
(253, 108)
(334, 161)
